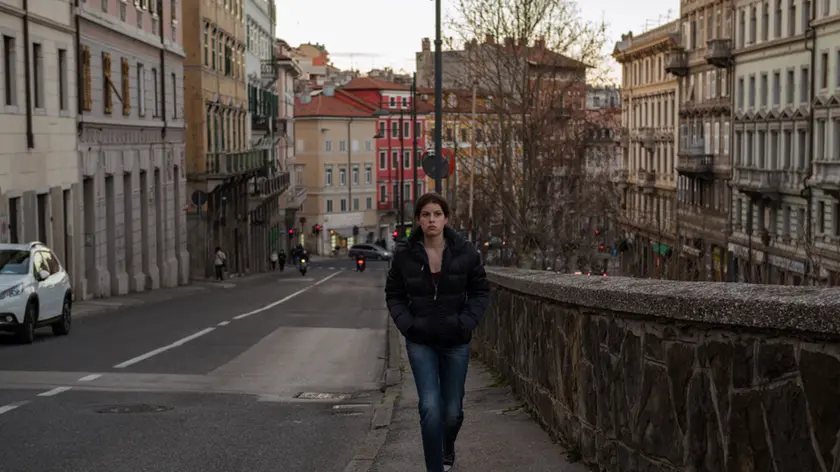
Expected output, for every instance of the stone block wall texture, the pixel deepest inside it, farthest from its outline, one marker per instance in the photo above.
(656, 376)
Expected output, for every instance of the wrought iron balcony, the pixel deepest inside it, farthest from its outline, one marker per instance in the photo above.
(646, 179)
(694, 161)
(719, 52)
(265, 187)
(827, 177)
(226, 164)
(676, 62)
(759, 184)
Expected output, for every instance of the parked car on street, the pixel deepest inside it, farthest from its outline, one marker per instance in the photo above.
(35, 291)
(371, 252)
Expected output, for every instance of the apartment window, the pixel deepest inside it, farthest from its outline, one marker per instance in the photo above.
(418, 159)
(777, 88)
(418, 129)
(327, 145)
(368, 203)
(791, 87)
(343, 204)
(406, 129)
(763, 90)
(777, 20)
(753, 24)
(742, 28)
(393, 102)
(342, 177)
(342, 146)
(383, 193)
(329, 206)
(820, 140)
(155, 93)
(174, 95)
(404, 102)
(355, 204)
(328, 176)
(368, 146)
(407, 160)
(368, 174)
(826, 7)
(792, 18)
(806, 15)
(213, 49)
(821, 218)
(125, 79)
(765, 21)
(355, 175)
(38, 74)
(10, 70)
(395, 160)
(106, 82)
(381, 129)
(395, 129)
(383, 160)
(752, 91)
(804, 86)
(788, 148)
(836, 125)
(740, 92)
(62, 79)
(824, 70)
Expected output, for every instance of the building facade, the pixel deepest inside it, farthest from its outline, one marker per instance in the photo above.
(289, 72)
(397, 158)
(647, 176)
(39, 179)
(131, 148)
(335, 144)
(786, 156)
(703, 63)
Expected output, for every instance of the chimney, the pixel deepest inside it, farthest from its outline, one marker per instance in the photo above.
(509, 42)
(427, 45)
(489, 39)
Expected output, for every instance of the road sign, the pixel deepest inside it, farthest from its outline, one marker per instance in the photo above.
(268, 70)
(614, 252)
(435, 167)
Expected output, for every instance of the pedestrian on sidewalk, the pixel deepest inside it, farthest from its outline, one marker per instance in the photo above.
(220, 263)
(437, 293)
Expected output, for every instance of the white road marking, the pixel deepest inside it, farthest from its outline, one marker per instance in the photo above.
(157, 351)
(204, 331)
(12, 406)
(223, 323)
(283, 300)
(90, 378)
(54, 392)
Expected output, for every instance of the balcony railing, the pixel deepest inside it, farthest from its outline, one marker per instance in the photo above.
(271, 186)
(758, 183)
(719, 52)
(676, 62)
(230, 163)
(696, 164)
(827, 176)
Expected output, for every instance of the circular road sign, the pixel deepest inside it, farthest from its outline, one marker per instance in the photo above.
(435, 167)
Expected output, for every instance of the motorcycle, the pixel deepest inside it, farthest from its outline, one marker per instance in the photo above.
(360, 265)
(302, 266)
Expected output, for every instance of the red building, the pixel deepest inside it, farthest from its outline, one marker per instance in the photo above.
(397, 164)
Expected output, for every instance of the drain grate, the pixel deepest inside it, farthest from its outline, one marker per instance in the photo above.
(322, 396)
(128, 409)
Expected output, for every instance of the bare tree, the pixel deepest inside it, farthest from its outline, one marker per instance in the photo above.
(540, 176)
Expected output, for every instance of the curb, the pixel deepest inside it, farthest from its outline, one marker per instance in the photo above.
(383, 413)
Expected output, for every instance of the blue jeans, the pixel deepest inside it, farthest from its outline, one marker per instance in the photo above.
(439, 374)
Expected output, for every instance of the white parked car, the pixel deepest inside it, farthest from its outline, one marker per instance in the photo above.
(35, 291)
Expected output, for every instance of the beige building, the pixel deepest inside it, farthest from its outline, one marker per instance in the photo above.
(703, 63)
(334, 144)
(648, 137)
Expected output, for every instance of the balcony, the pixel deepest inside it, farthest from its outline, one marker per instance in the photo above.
(827, 177)
(759, 184)
(296, 197)
(719, 52)
(266, 187)
(227, 164)
(676, 62)
(646, 180)
(693, 161)
(260, 124)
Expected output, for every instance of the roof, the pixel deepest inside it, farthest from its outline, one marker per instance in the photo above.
(328, 107)
(368, 83)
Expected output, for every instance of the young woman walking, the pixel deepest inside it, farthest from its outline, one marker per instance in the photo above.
(437, 293)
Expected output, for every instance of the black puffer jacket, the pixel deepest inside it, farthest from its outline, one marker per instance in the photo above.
(442, 315)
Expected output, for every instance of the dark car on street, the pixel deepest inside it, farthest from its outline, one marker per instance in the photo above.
(371, 252)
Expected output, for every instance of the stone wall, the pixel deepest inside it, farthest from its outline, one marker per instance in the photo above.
(647, 376)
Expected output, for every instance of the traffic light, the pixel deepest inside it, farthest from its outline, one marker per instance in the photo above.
(394, 234)
(316, 229)
(291, 233)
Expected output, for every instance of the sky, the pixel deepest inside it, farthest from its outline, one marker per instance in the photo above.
(370, 34)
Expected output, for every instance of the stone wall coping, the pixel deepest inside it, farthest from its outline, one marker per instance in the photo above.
(773, 307)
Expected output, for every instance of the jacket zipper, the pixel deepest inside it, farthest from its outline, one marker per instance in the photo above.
(434, 282)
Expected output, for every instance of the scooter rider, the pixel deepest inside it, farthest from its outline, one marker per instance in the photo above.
(281, 258)
(361, 262)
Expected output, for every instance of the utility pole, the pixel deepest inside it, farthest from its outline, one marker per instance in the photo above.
(401, 179)
(414, 133)
(438, 95)
(473, 155)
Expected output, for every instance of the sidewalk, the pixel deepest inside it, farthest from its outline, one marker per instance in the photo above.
(497, 436)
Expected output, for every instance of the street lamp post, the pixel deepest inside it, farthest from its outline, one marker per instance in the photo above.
(401, 168)
(414, 134)
(438, 95)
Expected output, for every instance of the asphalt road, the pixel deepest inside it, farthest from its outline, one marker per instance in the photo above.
(277, 374)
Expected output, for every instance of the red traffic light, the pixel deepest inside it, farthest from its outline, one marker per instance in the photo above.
(601, 247)
(291, 231)
(395, 234)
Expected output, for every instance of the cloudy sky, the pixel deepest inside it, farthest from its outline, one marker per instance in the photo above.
(386, 33)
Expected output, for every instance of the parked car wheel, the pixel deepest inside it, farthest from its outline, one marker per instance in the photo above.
(62, 326)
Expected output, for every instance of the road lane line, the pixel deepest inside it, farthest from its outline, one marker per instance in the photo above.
(283, 300)
(54, 392)
(223, 323)
(89, 378)
(157, 351)
(12, 406)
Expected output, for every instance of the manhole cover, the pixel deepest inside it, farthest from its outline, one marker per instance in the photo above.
(322, 396)
(126, 409)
